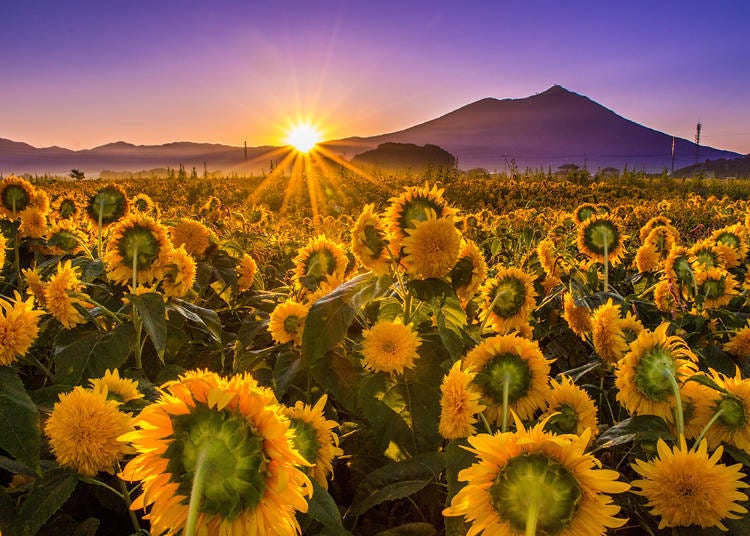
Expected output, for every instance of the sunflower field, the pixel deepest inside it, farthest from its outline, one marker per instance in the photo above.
(472, 355)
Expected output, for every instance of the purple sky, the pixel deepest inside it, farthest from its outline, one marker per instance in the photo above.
(80, 74)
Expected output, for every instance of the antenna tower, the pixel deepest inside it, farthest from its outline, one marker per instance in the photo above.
(698, 141)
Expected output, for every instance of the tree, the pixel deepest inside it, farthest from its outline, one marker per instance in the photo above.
(77, 174)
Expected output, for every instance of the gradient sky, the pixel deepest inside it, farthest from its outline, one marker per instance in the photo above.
(80, 74)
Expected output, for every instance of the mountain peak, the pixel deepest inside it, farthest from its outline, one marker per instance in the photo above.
(557, 89)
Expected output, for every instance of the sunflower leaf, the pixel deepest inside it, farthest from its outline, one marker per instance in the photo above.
(47, 495)
(637, 428)
(708, 382)
(151, 308)
(21, 434)
(323, 509)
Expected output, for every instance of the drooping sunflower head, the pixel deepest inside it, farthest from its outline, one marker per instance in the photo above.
(179, 273)
(469, 271)
(63, 295)
(19, 327)
(514, 363)
(662, 238)
(192, 235)
(599, 235)
(246, 270)
(138, 242)
(114, 387)
(390, 347)
(143, 204)
(66, 208)
(233, 434)
(459, 403)
(716, 288)
(83, 430)
(610, 332)
(578, 316)
(508, 299)
(677, 266)
(666, 296)
(650, 225)
(33, 222)
(645, 376)
(534, 477)
(647, 258)
(739, 342)
(706, 254)
(431, 247)
(15, 195)
(412, 206)
(64, 237)
(287, 322)
(733, 424)
(732, 243)
(109, 204)
(687, 487)
(320, 259)
(583, 212)
(569, 409)
(369, 244)
(314, 438)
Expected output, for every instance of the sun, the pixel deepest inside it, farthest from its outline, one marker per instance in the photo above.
(303, 137)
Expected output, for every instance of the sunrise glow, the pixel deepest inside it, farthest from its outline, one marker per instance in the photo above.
(303, 137)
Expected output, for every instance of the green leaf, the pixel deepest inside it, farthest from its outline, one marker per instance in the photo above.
(708, 382)
(322, 508)
(410, 529)
(449, 315)
(47, 495)
(456, 460)
(378, 402)
(330, 317)
(285, 369)
(207, 318)
(637, 428)
(88, 354)
(397, 480)
(152, 311)
(21, 436)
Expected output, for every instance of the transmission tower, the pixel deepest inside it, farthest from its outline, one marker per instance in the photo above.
(698, 141)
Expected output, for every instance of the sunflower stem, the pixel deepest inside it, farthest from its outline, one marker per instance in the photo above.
(486, 424)
(709, 424)
(606, 266)
(128, 502)
(506, 395)
(136, 316)
(99, 245)
(678, 402)
(489, 312)
(407, 308)
(532, 515)
(196, 491)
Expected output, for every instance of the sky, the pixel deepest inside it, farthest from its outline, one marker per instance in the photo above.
(80, 74)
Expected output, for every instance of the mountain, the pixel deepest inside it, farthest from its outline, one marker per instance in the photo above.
(405, 156)
(738, 168)
(548, 129)
(552, 128)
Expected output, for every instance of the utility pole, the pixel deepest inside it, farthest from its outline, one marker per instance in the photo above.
(698, 141)
(245, 149)
(673, 143)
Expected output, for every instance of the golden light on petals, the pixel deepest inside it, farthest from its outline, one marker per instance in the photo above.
(459, 403)
(19, 327)
(389, 347)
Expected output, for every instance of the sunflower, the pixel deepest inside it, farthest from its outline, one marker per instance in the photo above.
(246, 270)
(733, 423)
(66, 208)
(145, 205)
(287, 322)
(65, 238)
(716, 287)
(610, 333)
(678, 268)
(109, 205)
(732, 243)
(512, 363)
(368, 241)
(314, 438)
(706, 254)
(179, 273)
(687, 487)
(19, 326)
(192, 234)
(599, 234)
(83, 430)
(113, 387)
(62, 293)
(459, 403)
(578, 317)
(389, 347)
(662, 238)
(431, 247)
(3, 246)
(508, 299)
(647, 258)
(469, 271)
(33, 222)
(646, 374)
(137, 240)
(583, 212)
(653, 223)
(665, 296)
(15, 195)
(535, 477)
(411, 206)
(569, 409)
(34, 284)
(739, 342)
(227, 442)
(549, 259)
(697, 408)
(318, 260)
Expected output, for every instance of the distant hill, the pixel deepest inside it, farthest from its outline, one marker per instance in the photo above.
(720, 169)
(548, 129)
(551, 128)
(406, 156)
